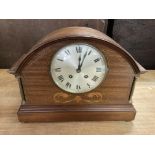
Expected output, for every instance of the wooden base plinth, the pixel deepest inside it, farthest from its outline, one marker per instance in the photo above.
(53, 113)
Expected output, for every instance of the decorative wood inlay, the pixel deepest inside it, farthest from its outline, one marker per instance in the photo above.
(93, 97)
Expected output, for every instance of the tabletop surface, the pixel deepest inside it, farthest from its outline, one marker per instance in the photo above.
(143, 100)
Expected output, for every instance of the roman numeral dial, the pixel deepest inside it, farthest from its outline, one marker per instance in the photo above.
(78, 68)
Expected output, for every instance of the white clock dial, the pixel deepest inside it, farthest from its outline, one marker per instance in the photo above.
(78, 68)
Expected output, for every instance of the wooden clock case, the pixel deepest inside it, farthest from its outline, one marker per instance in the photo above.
(43, 101)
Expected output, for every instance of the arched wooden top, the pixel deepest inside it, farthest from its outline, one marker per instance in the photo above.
(76, 32)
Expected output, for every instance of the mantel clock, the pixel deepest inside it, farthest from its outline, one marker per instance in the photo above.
(76, 74)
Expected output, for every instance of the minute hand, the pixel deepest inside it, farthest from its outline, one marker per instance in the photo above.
(83, 59)
(79, 62)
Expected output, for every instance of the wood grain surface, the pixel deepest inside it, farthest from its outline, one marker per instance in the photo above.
(143, 100)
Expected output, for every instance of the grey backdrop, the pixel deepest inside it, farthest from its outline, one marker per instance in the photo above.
(138, 37)
(18, 36)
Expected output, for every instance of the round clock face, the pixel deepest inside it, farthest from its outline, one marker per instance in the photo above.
(78, 68)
